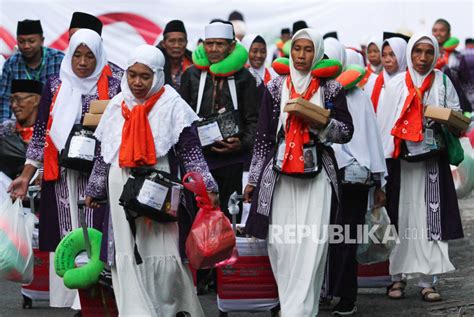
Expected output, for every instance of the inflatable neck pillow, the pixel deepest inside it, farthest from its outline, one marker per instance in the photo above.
(451, 44)
(227, 67)
(66, 252)
(287, 48)
(351, 76)
(325, 68)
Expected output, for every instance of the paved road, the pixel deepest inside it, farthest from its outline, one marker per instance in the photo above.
(456, 288)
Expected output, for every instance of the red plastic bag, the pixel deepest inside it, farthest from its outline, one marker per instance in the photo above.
(211, 239)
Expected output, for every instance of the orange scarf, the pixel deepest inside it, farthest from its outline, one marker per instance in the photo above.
(138, 146)
(297, 132)
(365, 79)
(25, 133)
(51, 162)
(409, 125)
(267, 77)
(377, 90)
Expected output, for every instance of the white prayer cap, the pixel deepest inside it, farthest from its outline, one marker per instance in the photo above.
(219, 30)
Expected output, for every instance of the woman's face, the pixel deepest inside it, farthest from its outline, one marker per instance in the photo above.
(373, 54)
(422, 57)
(302, 53)
(140, 80)
(389, 60)
(83, 62)
(257, 55)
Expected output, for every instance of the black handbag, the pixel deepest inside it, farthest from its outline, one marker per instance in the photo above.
(219, 127)
(12, 155)
(152, 194)
(80, 150)
(433, 144)
(311, 155)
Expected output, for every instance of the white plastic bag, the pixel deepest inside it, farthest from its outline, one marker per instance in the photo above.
(463, 175)
(16, 251)
(371, 252)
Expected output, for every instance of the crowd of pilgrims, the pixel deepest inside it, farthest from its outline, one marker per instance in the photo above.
(291, 171)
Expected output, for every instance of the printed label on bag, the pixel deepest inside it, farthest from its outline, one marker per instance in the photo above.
(152, 194)
(82, 147)
(209, 134)
(354, 173)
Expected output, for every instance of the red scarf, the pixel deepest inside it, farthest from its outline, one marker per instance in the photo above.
(409, 125)
(297, 132)
(25, 133)
(267, 77)
(377, 90)
(443, 60)
(365, 79)
(138, 146)
(51, 162)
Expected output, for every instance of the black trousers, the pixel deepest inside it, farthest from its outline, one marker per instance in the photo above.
(354, 208)
(229, 179)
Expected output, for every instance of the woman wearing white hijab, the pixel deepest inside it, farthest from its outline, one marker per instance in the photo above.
(374, 62)
(283, 201)
(65, 100)
(428, 207)
(394, 62)
(362, 153)
(162, 284)
(257, 48)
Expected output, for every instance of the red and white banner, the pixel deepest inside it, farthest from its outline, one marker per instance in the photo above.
(129, 23)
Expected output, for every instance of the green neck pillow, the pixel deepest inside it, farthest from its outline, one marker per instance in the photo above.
(351, 76)
(227, 67)
(287, 48)
(451, 44)
(65, 255)
(325, 68)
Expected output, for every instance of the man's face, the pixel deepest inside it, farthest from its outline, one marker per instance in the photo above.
(175, 44)
(218, 49)
(389, 60)
(24, 105)
(30, 45)
(302, 53)
(422, 57)
(373, 55)
(257, 54)
(440, 31)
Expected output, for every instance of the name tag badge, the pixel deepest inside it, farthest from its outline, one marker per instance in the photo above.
(152, 194)
(209, 133)
(82, 147)
(310, 158)
(429, 137)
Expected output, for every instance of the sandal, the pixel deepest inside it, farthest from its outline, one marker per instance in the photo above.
(396, 287)
(429, 294)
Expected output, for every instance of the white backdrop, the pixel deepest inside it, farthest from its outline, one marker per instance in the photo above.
(133, 22)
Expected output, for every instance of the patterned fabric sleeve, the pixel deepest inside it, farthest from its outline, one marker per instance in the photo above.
(188, 150)
(97, 185)
(265, 136)
(7, 127)
(35, 150)
(340, 127)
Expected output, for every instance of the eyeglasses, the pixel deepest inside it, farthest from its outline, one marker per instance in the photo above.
(17, 100)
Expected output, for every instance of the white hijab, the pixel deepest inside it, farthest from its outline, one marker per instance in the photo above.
(414, 40)
(377, 41)
(168, 117)
(365, 145)
(68, 104)
(399, 48)
(247, 42)
(301, 80)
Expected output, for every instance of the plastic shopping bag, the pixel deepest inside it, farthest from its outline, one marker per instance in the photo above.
(211, 239)
(377, 251)
(16, 250)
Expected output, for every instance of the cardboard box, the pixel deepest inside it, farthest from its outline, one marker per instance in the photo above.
(307, 111)
(91, 120)
(98, 106)
(448, 116)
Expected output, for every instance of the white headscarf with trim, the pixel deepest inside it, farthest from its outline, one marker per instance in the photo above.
(247, 42)
(68, 105)
(377, 41)
(168, 117)
(399, 48)
(301, 80)
(414, 40)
